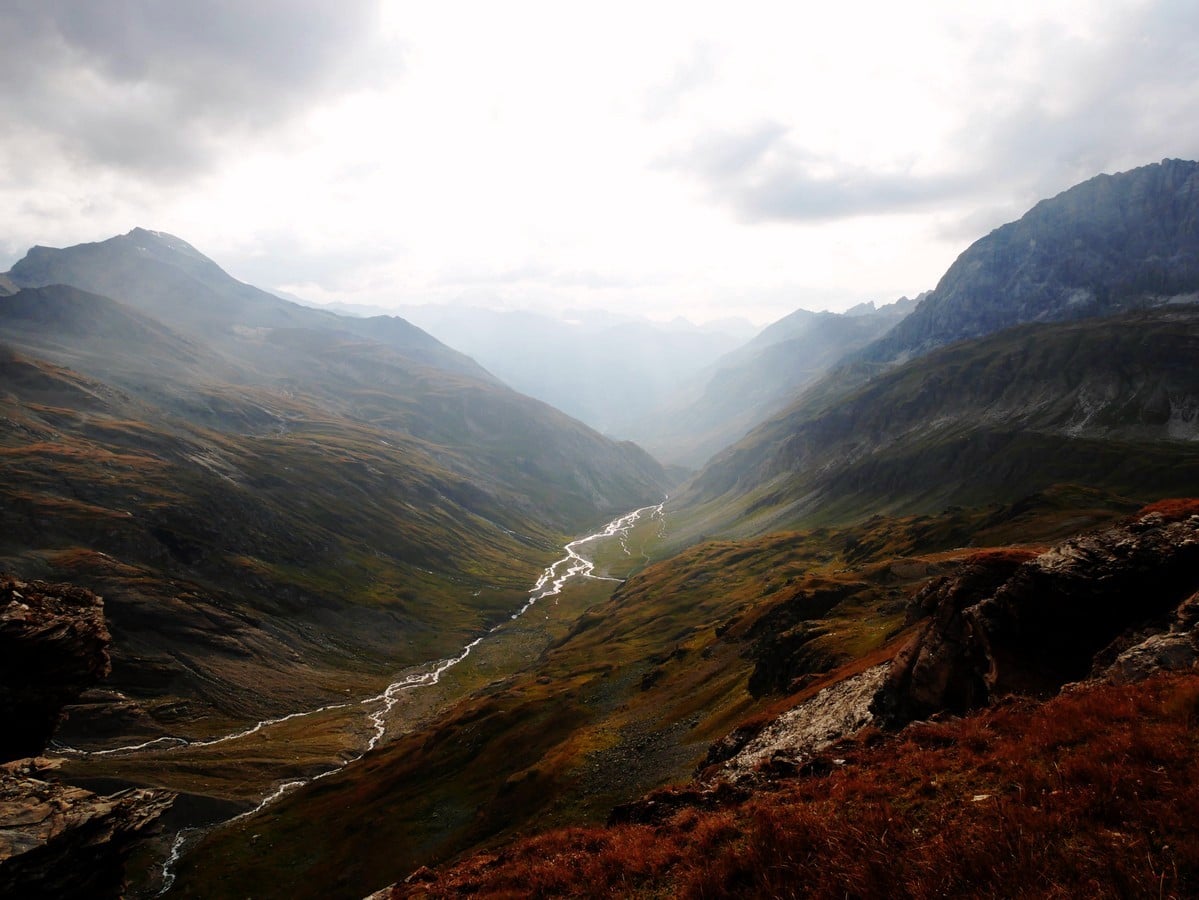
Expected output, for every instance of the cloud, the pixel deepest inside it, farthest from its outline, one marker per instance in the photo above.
(1029, 121)
(694, 71)
(1127, 101)
(160, 89)
(765, 175)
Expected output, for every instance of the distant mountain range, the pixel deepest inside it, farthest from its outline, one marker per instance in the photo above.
(1110, 244)
(1102, 402)
(684, 392)
(746, 386)
(162, 275)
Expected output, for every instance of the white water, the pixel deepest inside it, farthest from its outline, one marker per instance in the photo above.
(168, 864)
(550, 584)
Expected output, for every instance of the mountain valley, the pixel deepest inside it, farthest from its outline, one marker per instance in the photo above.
(922, 622)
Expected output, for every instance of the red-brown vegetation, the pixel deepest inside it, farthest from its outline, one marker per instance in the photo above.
(1172, 510)
(1092, 794)
(1001, 555)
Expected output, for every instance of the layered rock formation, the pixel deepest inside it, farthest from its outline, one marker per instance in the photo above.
(53, 646)
(56, 840)
(61, 841)
(1120, 601)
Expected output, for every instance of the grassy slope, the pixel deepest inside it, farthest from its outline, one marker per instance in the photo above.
(628, 698)
(264, 505)
(242, 545)
(1099, 402)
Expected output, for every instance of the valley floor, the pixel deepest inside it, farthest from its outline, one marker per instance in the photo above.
(242, 773)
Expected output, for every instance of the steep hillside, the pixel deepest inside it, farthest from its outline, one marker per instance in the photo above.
(202, 335)
(752, 383)
(1111, 244)
(1090, 794)
(1105, 402)
(243, 570)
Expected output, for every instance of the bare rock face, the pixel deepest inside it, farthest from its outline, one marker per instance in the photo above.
(61, 841)
(947, 665)
(1168, 651)
(53, 646)
(1108, 244)
(834, 713)
(1043, 624)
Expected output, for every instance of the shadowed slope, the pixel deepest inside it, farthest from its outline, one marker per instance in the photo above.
(1111, 403)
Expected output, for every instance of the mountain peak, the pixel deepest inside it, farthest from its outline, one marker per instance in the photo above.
(161, 244)
(164, 239)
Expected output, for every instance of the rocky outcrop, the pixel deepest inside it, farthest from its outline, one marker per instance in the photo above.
(945, 666)
(836, 712)
(53, 646)
(1144, 656)
(61, 841)
(57, 840)
(1046, 622)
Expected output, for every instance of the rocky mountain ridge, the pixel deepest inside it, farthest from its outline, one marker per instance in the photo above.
(166, 278)
(1111, 244)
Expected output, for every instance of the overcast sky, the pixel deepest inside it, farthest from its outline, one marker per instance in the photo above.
(655, 158)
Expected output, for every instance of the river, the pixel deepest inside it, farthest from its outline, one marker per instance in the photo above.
(376, 708)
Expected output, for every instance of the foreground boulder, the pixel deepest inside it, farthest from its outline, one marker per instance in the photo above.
(1002, 626)
(53, 646)
(57, 840)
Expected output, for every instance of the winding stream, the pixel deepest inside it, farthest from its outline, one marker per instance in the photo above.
(551, 583)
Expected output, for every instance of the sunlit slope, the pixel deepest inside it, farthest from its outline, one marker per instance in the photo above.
(1110, 403)
(381, 372)
(222, 556)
